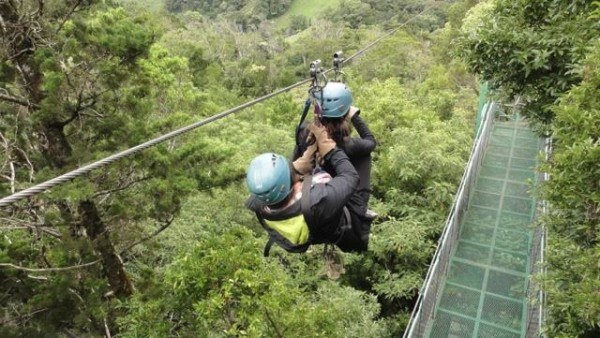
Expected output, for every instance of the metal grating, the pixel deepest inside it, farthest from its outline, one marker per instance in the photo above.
(483, 282)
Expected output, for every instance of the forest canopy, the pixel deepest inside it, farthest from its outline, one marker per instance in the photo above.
(160, 244)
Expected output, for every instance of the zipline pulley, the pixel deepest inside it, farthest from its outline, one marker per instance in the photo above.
(338, 61)
(318, 81)
(317, 74)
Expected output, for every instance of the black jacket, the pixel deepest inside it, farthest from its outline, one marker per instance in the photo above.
(356, 147)
(328, 200)
(359, 151)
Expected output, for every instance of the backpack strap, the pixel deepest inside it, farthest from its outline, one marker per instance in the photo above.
(271, 240)
(345, 224)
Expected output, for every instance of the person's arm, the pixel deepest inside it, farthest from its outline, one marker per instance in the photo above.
(336, 193)
(363, 146)
(328, 199)
(361, 128)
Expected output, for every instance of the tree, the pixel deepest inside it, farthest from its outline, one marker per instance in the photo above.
(572, 279)
(223, 287)
(75, 87)
(529, 48)
(299, 23)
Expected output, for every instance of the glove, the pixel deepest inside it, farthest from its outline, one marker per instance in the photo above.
(305, 164)
(324, 143)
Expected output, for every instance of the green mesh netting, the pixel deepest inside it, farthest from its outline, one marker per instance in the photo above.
(484, 292)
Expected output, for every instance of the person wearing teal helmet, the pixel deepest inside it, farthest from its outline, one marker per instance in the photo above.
(297, 214)
(335, 97)
(335, 100)
(269, 178)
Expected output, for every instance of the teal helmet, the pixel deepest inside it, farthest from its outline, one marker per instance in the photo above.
(269, 178)
(335, 99)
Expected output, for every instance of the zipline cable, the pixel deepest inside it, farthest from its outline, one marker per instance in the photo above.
(389, 33)
(6, 201)
(39, 188)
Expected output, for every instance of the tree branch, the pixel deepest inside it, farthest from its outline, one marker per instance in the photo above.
(69, 333)
(21, 225)
(27, 316)
(106, 330)
(154, 234)
(2, 26)
(60, 27)
(26, 158)
(31, 227)
(42, 278)
(119, 188)
(17, 100)
(40, 10)
(11, 164)
(272, 322)
(22, 268)
(21, 52)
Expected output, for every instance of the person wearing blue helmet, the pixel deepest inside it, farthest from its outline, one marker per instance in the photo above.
(297, 214)
(338, 116)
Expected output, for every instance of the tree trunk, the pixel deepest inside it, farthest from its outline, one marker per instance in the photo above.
(98, 233)
(56, 148)
(20, 37)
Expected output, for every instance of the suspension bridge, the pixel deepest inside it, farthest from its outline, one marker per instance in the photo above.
(479, 282)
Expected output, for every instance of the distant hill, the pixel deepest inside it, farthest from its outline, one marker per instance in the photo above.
(307, 8)
(153, 5)
(260, 8)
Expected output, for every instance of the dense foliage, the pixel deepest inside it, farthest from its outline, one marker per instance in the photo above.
(167, 246)
(573, 276)
(247, 13)
(548, 52)
(530, 48)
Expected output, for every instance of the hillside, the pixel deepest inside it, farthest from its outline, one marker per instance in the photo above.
(311, 9)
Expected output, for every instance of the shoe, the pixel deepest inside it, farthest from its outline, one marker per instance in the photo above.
(370, 214)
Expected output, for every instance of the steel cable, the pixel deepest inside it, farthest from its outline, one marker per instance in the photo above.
(39, 188)
(389, 33)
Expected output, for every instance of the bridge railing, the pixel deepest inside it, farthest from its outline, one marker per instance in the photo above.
(535, 295)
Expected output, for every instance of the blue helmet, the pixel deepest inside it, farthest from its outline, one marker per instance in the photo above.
(269, 178)
(335, 99)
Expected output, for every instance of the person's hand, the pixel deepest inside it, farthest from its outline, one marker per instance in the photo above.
(306, 163)
(351, 112)
(324, 143)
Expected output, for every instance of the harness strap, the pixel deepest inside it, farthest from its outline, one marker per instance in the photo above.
(271, 240)
(345, 224)
(267, 249)
(304, 113)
